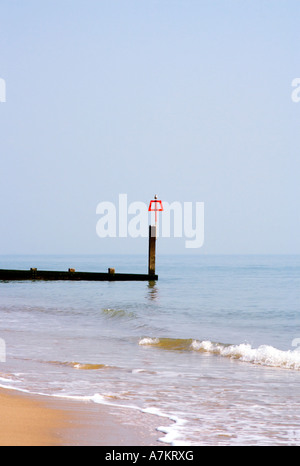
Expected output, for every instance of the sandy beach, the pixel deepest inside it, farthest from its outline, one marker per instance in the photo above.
(27, 420)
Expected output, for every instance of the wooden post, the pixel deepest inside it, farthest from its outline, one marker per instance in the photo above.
(152, 248)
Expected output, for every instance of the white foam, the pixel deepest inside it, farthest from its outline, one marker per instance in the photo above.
(2, 379)
(11, 387)
(148, 341)
(263, 355)
(172, 432)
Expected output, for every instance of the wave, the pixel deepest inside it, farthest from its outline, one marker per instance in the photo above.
(172, 433)
(264, 355)
(175, 344)
(118, 313)
(80, 366)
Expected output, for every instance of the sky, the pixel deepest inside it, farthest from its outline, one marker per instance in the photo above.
(186, 99)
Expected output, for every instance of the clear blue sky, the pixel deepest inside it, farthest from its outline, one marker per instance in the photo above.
(190, 99)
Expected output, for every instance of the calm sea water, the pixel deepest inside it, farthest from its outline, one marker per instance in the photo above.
(210, 349)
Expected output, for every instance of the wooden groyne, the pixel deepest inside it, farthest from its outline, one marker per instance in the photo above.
(71, 274)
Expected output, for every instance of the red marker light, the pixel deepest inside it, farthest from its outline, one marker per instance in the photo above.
(155, 206)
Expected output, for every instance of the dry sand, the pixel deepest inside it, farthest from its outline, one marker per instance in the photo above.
(27, 420)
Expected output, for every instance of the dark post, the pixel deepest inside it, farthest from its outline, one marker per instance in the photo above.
(152, 248)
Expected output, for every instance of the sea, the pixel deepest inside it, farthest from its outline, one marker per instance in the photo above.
(211, 350)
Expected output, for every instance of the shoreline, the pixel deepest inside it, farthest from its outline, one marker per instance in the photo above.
(35, 420)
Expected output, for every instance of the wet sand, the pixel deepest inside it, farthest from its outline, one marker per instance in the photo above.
(27, 420)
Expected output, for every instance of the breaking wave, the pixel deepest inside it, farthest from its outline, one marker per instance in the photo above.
(264, 355)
